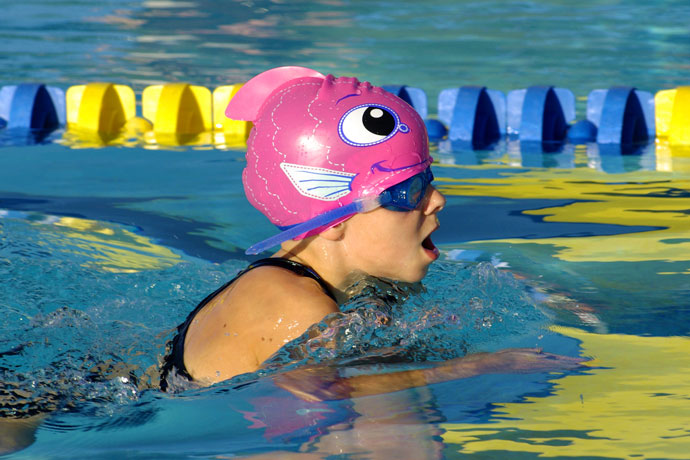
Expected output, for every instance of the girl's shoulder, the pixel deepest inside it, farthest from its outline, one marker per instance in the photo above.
(273, 292)
(251, 319)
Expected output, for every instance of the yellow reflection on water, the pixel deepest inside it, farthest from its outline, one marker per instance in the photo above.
(113, 248)
(641, 198)
(634, 403)
(105, 246)
(672, 157)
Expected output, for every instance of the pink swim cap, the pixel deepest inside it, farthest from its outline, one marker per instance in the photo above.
(320, 142)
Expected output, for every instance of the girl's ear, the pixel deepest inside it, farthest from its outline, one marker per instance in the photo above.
(334, 233)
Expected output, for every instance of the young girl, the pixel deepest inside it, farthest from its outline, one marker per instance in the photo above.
(343, 169)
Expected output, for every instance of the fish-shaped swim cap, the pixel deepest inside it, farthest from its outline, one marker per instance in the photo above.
(320, 143)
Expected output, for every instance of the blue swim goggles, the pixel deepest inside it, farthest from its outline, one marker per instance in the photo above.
(407, 195)
(402, 197)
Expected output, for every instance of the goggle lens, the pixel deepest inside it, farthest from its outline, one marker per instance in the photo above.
(407, 195)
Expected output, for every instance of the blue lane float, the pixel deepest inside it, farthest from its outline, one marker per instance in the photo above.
(476, 116)
(623, 116)
(542, 118)
(582, 132)
(34, 107)
(435, 129)
(540, 115)
(416, 97)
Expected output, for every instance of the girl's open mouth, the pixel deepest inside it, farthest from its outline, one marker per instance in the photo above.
(429, 247)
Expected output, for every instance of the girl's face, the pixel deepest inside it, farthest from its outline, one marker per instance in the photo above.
(392, 244)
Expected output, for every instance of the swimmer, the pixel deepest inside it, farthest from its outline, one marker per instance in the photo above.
(342, 168)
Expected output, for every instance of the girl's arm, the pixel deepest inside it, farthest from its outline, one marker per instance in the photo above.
(319, 383)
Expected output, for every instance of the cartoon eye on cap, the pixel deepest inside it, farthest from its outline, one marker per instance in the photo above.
(369, 124)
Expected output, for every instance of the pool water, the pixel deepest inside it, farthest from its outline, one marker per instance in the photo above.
(103, 251)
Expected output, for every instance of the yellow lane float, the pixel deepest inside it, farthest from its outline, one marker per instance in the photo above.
(100, 107)
(672, 111)
(100, 113)
(227, 132)
(181, 114)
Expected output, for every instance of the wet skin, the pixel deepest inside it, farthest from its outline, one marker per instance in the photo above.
(270, 306)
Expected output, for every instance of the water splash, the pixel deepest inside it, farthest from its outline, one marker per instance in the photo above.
(75, 335)
(79, 338)
(460, 309)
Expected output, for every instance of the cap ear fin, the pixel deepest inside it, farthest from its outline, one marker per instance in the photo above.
(249, 99)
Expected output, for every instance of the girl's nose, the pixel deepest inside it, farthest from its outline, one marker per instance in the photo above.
(435, 201)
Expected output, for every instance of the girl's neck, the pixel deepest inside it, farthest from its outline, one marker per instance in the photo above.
(333, 271)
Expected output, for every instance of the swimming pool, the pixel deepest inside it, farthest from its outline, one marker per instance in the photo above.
(104, 250)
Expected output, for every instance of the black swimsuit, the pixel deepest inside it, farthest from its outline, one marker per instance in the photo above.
(173, 363)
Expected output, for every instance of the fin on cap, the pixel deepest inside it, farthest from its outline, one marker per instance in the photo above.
(246, 103)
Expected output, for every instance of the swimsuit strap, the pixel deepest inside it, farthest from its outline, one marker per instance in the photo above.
(293, 266)
(175, 359)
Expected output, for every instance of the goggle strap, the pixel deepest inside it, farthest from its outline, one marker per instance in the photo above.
(361, 205)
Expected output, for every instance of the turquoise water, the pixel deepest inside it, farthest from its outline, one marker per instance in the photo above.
(104, 250)
(432, 45)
